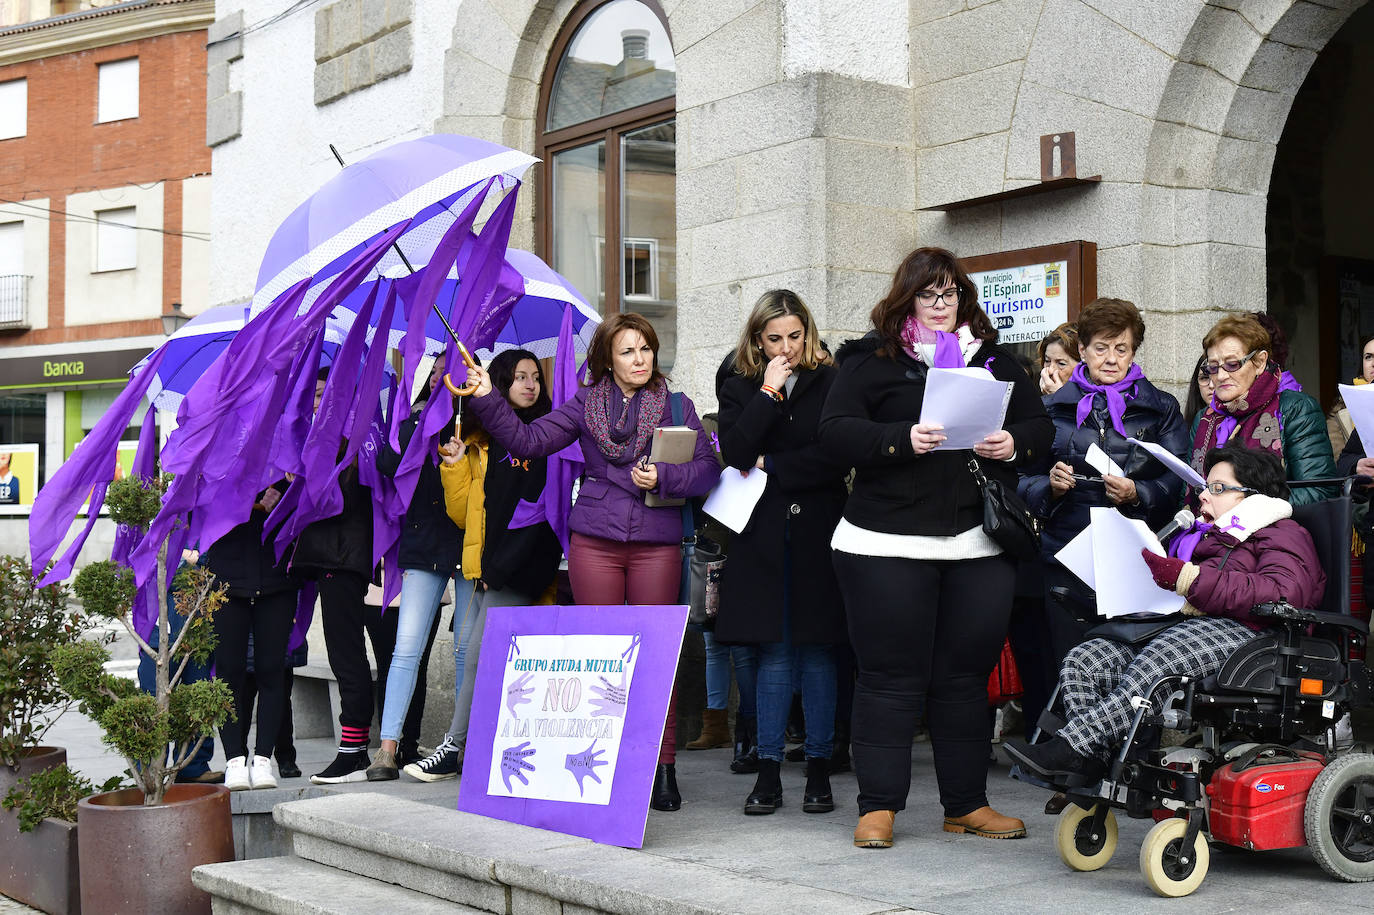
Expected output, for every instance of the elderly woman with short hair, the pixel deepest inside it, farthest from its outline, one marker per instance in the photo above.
(1251, 406)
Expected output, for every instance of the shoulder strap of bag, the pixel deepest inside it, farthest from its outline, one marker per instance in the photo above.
(689, 526)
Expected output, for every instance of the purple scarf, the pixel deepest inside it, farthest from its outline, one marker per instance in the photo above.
(1118, 395)
(621, 430)
(1183, 545)
(948, 355)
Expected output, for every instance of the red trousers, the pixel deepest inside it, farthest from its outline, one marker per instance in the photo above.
(608, 572)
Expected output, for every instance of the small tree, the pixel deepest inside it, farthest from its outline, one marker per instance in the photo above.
(34, 622)
(137, 725)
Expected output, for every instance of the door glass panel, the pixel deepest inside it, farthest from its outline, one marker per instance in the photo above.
(579, 218)
(648, 230)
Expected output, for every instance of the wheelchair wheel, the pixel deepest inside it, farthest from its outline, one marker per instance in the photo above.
(1339, 818)
(1164, 864)
(1080, 847)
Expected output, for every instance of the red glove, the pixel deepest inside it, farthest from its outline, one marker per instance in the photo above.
(1165, 569)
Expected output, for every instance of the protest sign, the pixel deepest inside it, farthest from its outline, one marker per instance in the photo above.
(567, 717)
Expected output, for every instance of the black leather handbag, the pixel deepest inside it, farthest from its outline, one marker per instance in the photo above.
(1006, 519)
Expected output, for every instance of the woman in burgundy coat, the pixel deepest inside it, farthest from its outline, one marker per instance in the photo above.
(1244, 550)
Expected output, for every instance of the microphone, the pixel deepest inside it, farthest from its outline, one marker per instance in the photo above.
(1180, 521)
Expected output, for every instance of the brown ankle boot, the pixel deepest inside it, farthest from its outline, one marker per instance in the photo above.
(987, 823)
(875, 829)
(715, 730)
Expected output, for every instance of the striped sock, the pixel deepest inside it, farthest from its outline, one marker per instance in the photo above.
(354, 740)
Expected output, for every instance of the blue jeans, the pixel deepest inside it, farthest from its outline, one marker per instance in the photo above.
(718, 658)
(816, 665)
(468, 612)
(421, 591)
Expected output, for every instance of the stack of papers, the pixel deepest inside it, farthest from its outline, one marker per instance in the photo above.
(1108, 551)
(1181, 469)
(732, 501)
(970, 403)
(1359, 400)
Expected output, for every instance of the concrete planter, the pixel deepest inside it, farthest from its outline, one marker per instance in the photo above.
(137, 859)
(39, 868)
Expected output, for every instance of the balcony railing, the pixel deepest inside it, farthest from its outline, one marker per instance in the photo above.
(14, 302)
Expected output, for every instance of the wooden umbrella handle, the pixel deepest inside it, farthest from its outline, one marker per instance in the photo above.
(467, 360)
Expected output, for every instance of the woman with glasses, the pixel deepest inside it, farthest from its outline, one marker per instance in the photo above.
(1251, 406)
(1200, 391)
(1244, 550)
(926, 592)
(1106, 402)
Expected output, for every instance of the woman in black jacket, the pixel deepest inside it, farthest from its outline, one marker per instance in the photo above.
(927, 592)
(1107, 400)
(779, 590)
(429, 549)
(261, 605)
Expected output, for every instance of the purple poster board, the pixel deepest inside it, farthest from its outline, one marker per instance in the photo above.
(567, 717)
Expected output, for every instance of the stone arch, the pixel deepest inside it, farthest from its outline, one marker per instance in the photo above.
(1210, 157)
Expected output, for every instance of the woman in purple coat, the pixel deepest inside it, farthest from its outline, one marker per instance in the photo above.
(1244, 550)
(621, 550)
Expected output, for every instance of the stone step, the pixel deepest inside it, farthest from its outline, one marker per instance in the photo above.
(293, 886)
(505, 868)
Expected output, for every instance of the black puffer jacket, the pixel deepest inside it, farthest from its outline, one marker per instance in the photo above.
(429, 538)
(1152, 416)
(867, 421)
(247, 565)
(523, 558)
(343, 542)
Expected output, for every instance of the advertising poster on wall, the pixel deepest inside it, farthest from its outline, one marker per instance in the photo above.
(1025, 302)
(567, 717)
(18, 475)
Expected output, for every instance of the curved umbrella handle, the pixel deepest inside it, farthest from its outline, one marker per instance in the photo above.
(467, 360)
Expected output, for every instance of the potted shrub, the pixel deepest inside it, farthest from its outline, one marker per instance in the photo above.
(39, 869)
(138, 845)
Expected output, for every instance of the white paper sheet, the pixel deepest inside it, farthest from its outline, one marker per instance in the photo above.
(1116, 544)
(1077, 557)
(1359, 400)
(1181, 469)
(1100, 461)
(733, 500)
(969, 403)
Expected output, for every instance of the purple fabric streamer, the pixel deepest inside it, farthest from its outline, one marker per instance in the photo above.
(489, 292)
(444, 257)
(88, 470)
(128, 537)
(1117, 394)
(554, 504)
(305, 612)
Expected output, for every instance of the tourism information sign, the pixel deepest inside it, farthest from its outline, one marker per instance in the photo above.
(567, 717)
(1025, 302)
(1031, 291)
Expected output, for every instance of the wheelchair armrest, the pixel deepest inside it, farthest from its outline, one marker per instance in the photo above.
(1282, 611)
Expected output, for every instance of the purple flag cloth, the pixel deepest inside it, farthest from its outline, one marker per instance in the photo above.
(305, 612)
(554, 504)
(490, 287)
(1117, 394)
(88, 471)
(128, 537)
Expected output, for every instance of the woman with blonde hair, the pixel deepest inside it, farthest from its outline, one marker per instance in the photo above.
(779, 590)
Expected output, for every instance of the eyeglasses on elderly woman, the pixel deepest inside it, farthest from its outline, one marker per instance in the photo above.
(1230, 365)
(1216, 488)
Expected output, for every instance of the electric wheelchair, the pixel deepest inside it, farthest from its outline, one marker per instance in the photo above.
(1260, 766)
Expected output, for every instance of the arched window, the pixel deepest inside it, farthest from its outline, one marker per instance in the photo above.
(608, 139)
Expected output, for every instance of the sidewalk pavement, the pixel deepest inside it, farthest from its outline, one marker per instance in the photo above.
(927, 869)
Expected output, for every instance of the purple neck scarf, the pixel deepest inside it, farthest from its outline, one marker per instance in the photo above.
(1117, 394)
(1183, 545)
(948, 354)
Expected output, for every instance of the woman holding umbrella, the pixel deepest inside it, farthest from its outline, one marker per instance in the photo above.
(621, 549)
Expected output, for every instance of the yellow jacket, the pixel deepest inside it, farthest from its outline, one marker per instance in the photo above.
(466, 502)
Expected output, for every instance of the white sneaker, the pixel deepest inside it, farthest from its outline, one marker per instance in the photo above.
(236, 777)
(262, 773)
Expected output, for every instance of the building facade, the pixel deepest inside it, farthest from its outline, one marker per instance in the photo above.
(104, 214)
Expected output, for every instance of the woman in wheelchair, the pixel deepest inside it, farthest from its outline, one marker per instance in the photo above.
(1244, 550)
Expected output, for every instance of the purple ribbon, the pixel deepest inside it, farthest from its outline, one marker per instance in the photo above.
(1115, 394)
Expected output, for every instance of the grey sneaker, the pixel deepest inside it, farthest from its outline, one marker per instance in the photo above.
(383, 768)
(445, 762)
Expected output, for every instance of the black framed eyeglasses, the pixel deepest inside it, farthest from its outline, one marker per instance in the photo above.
(1217, 487)
(927, 297)
(1231, 365)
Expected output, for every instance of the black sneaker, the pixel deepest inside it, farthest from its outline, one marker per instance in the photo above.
(346, 767)
(445, 762)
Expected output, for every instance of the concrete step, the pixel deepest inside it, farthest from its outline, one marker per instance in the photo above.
(292, 886)
(505, 868)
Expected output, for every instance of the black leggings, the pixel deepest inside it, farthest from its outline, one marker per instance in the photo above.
(924, 632)
(269, 618)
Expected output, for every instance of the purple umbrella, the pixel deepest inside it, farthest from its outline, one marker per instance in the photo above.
(426, 182)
